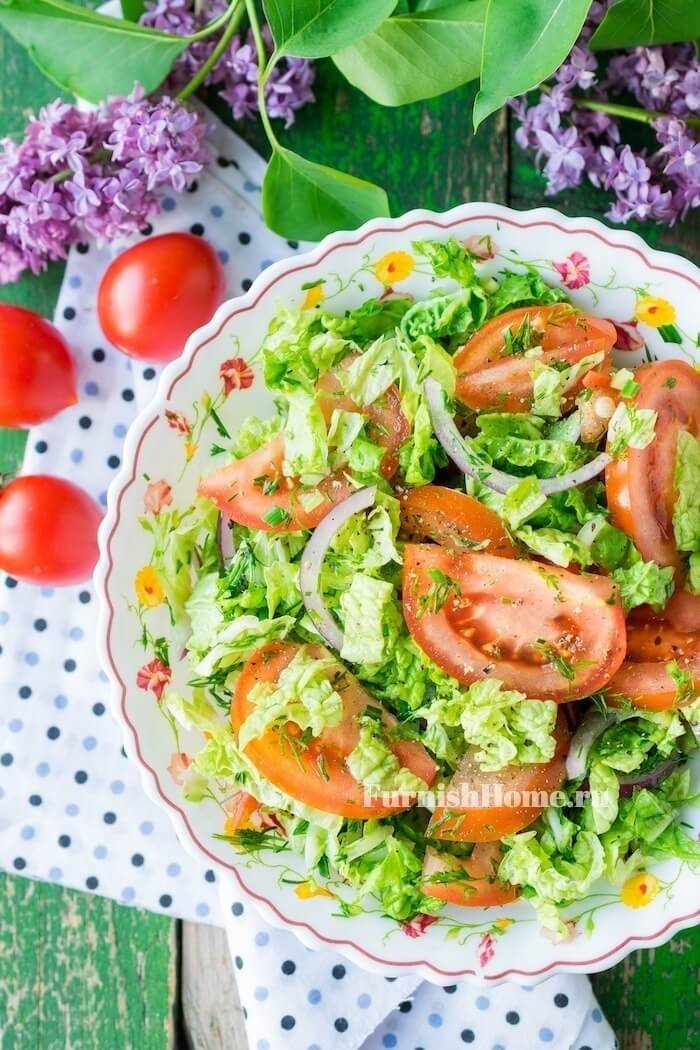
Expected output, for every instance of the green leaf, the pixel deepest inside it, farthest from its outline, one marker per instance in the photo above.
(641, 22)
(523, 44)
(305, 201)
(316, 28)
(88, 54)
(133, 9)
(417, 56)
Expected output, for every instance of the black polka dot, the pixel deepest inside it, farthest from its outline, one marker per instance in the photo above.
(210, 876)
(122, 752)
(165, 900)
(338, 972)
(84, 597)
(69, 313)
(149, 373)
(127, 395)
(340, 1024)
(389, 980)
(512, 1017)
(237, 909)
(146, 230)
(288, 966)
(40, 625)
(80, 777)
(98, 355)
(35, 800)
(245, 285)
(6, 759)
(25, 692)
(223, 162)
(53, 732)
(584, 1048)
(450, 989)
(98, 709)
(561, 1000)
(244, 238)
(85, 422)
(238, 962)
(245, 1013)
(11, 582)
(406, 1006)
(137, 860)
(293, 245)
(287, 1022)
(113, 462)
(110, 818)
(197, 229)
(91, 882)
(69, 665)
(82, 248)
(193, 187)
(19, 863)
(467, 1036)
(40, 446)
(64, 841)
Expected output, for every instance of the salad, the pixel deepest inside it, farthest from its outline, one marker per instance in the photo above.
(441, 607)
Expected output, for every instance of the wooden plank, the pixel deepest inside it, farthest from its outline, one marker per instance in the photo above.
(211, 1009)
(81, 972)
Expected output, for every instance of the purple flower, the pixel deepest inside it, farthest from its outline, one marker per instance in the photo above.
(566, 159)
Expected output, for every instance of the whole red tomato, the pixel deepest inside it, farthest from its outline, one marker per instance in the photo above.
(156, 293)
(48, 530)
(37, 372)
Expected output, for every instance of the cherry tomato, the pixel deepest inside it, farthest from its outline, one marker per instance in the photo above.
(640, 485)
(471, 882)
(253, 491)
(548, 632)
(156, 293)
(453, 519)
(492, 374)
(37, 371)
(48, 530)
(314, 772)
(499, 803)
(644, 677)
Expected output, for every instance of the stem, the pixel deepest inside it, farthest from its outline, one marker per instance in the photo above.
(216, 24)
(226, 37)
(645, 116)
(264, 68)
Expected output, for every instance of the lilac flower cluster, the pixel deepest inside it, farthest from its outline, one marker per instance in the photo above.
(81, 173)
(235, 73)
(572, 142)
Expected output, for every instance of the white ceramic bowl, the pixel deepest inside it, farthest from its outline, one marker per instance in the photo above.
(609, 272)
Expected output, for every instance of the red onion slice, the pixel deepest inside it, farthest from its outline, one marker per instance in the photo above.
(651, 779)
(594, 723)
(312, 562)
(224, 539)
(460, 451)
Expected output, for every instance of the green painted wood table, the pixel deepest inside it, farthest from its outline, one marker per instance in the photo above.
(81, 972)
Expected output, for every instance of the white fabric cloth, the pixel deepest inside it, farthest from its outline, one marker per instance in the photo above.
(72, 810)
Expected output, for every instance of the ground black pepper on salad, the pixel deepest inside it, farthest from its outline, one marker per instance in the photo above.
(449, 592)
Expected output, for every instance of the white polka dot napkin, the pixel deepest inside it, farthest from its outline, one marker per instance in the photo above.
(72, 810)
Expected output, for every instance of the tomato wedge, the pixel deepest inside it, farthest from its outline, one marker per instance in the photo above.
(453, 519)
(640, 486)
(315, 772)
(548, 632)
(386, 423)
(643, 678)
(471, 882)
(490, 805)
(492, 371)
(253, 491)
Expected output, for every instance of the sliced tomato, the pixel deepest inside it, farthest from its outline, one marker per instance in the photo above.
(243, 814)
(386, 423)
(483, 807)
(640, 485)
(453, 519)
(548, 632)
(253, 491)
(644, 677)
(315, 771)
(471, 882)
(493, 374)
